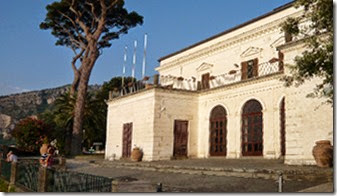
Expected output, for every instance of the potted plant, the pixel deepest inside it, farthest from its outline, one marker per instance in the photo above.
(180, 78)
(290, 29)
(136, 154)
(146, 78)
(148, 86)
(323, 153)
(232, 72)
(273, 60)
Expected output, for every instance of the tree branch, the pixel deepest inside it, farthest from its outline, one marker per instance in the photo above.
(95, 18)
(75, 58)
(74, 24)
(78, 20)
(102, 20)
(93, 10)
(112, 4)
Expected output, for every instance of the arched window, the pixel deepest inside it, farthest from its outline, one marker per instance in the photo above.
(252, 129)
(218, 131)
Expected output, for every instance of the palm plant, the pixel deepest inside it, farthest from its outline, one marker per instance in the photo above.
(62, 118)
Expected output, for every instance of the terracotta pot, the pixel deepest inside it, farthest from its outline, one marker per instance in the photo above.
(288, 37)
(44, 149)
(136, 154)
(148, 86)
(323, 153)
(273, 60)
(232, 72)
(180, 78)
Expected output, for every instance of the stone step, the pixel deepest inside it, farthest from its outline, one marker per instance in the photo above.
(232, 172)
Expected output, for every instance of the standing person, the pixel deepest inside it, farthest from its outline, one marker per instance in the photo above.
(11, 157)
(43, 160)
(47, 159)
(50, 157)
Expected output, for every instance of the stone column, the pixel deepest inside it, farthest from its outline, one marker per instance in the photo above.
(13, 173)
(156, 80)
(114, 186)
(42, 180)
(12, 179)
(62, 162)
(0, 165)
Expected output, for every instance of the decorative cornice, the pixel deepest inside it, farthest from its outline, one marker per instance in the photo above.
(153, 90)
(238, 39)
(279, 41)
(130, 95)
(293, 45)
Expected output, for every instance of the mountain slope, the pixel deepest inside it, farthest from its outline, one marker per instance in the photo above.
(18, 106)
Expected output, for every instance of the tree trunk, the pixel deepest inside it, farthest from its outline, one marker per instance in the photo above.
(68, 134)
(87, 65)
(67, 143)
(75, 84)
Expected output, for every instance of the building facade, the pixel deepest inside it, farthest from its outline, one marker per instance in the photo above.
(223, 97)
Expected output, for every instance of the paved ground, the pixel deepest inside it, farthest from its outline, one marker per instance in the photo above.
(176, 178)
(322, 188)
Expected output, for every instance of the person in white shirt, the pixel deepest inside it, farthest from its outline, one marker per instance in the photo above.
(11, 157)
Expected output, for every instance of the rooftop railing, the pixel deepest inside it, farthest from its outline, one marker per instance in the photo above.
(191, 84)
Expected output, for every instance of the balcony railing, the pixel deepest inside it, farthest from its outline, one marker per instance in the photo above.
(267, 68)
(191, 84)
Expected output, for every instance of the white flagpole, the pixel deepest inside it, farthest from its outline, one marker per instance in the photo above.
(124, 64)
(134, 60)
(144, 57)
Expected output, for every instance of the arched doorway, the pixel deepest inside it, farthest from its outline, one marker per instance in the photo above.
(283, 127)
(252, 129)
(218, 131)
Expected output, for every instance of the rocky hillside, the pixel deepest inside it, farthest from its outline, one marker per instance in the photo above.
(18, 106)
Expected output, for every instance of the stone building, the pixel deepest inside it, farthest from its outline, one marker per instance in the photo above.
(222, 97)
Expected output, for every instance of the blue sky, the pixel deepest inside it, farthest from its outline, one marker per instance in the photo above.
(29, 60)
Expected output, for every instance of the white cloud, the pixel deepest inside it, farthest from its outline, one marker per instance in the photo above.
(8, 89)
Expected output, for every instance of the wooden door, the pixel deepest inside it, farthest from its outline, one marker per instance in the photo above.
(127, 138)
(180, 138)
(205, 81)
(218, 132)
(283, 127)
(252, 125)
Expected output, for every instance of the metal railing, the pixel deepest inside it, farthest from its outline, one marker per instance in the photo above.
(65, 181)
(6, 169)
(224, 79)
(268, 68)
(30, 176)
(135, 86)
(27, 175)
(191, 84)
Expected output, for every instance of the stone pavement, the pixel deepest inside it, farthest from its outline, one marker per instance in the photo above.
(302, 177)
(322, 188)
(247, 168)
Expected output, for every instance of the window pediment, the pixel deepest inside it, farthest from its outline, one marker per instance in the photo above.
(251, 51)
(204, 66)
(279, 41)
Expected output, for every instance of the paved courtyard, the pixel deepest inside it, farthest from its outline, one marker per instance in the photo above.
(206, 175)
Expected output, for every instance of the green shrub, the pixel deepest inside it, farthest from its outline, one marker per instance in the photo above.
(11, 189)
(28, 133)
(3, 186)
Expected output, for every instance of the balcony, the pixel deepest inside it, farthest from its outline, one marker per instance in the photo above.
(191, 84)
